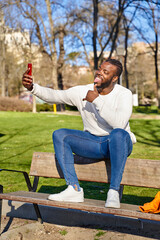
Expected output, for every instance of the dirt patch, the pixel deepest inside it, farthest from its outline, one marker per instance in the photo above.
(145, 116)
(21, 229)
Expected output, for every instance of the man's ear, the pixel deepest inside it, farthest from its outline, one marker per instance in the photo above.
(115, 78)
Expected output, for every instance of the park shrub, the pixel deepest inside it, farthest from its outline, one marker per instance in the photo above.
(139, 109)
(44, 107)
(49, 108)
(146, 109)
(71, 108)
(13, 104)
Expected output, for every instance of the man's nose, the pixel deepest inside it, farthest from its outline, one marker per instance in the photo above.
(98, 70)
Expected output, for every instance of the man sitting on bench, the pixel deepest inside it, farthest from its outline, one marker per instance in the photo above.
(105, 107)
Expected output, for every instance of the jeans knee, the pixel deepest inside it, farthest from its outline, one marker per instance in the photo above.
(118, 133)
(57, 135)
(54, 135)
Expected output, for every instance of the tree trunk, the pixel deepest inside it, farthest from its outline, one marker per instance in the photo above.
(2, 64)
(115, 36)
(52, 45)
(125, 57)
(2, 55)
(61, 59)
(94, 38)
(156, 69)
(54, 71)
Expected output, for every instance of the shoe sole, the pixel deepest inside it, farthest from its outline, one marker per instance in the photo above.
(111, 206)
(59, 200)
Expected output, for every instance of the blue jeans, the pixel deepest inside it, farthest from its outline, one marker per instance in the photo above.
(117, 146)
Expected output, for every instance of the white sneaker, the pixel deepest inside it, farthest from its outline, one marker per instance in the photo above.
(68, 195)
(112, 199)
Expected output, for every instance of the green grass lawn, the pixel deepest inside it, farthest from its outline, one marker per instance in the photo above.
(21, 134)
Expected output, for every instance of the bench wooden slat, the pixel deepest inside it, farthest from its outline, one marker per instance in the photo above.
(138, 172)
(89, 205)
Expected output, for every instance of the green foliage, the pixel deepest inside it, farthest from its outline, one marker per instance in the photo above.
(21, 134)
(63, 232)
(146, 109)
(44, 107)
(100, 233)
(139, 109)
(71, 108)
(49, 108)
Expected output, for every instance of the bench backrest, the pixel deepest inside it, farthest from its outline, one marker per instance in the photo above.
(138, 172)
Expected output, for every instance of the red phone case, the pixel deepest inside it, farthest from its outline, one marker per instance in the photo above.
(30, 67)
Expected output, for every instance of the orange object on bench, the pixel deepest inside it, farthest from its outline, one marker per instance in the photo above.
(153, 206)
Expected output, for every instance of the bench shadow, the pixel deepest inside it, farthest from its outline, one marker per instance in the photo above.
(6, 228)
(78, 218)
(135, 200)
(51, 189)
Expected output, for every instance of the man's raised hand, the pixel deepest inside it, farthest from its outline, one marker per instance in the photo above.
(27, 80)
(91, 95)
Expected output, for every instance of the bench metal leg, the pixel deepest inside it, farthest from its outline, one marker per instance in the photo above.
(38, 213)
(25, 174)
(1, 191)
(35, 184)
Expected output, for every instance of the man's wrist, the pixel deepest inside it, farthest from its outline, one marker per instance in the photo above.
(31, 87)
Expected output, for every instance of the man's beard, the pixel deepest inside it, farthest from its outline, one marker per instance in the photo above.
(104, 85)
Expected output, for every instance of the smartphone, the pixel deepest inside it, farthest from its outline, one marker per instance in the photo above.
(30, 67)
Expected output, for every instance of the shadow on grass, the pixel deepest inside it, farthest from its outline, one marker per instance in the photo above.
(51, 189)
(1, 134)
(145, 109)
(26, 149)
(10, 136)
(149, 135)
(135, 200)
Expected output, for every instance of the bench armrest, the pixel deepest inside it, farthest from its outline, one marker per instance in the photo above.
(28, 182)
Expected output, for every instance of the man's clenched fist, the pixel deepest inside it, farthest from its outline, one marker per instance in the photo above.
(91, 95)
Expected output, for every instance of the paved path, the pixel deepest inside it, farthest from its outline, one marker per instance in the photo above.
(145, 116)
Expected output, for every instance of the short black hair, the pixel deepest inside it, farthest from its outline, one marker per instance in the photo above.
(116, 63)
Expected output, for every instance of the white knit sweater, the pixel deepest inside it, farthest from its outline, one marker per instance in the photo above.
(105, 113)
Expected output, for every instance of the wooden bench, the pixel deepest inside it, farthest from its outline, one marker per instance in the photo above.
(138, 172)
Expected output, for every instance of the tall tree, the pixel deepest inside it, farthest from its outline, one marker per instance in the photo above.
(60, 63)
(127, 24)
(95, 25)
(2, 55)
(101, 21)
(150, 12)
(45, 27)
